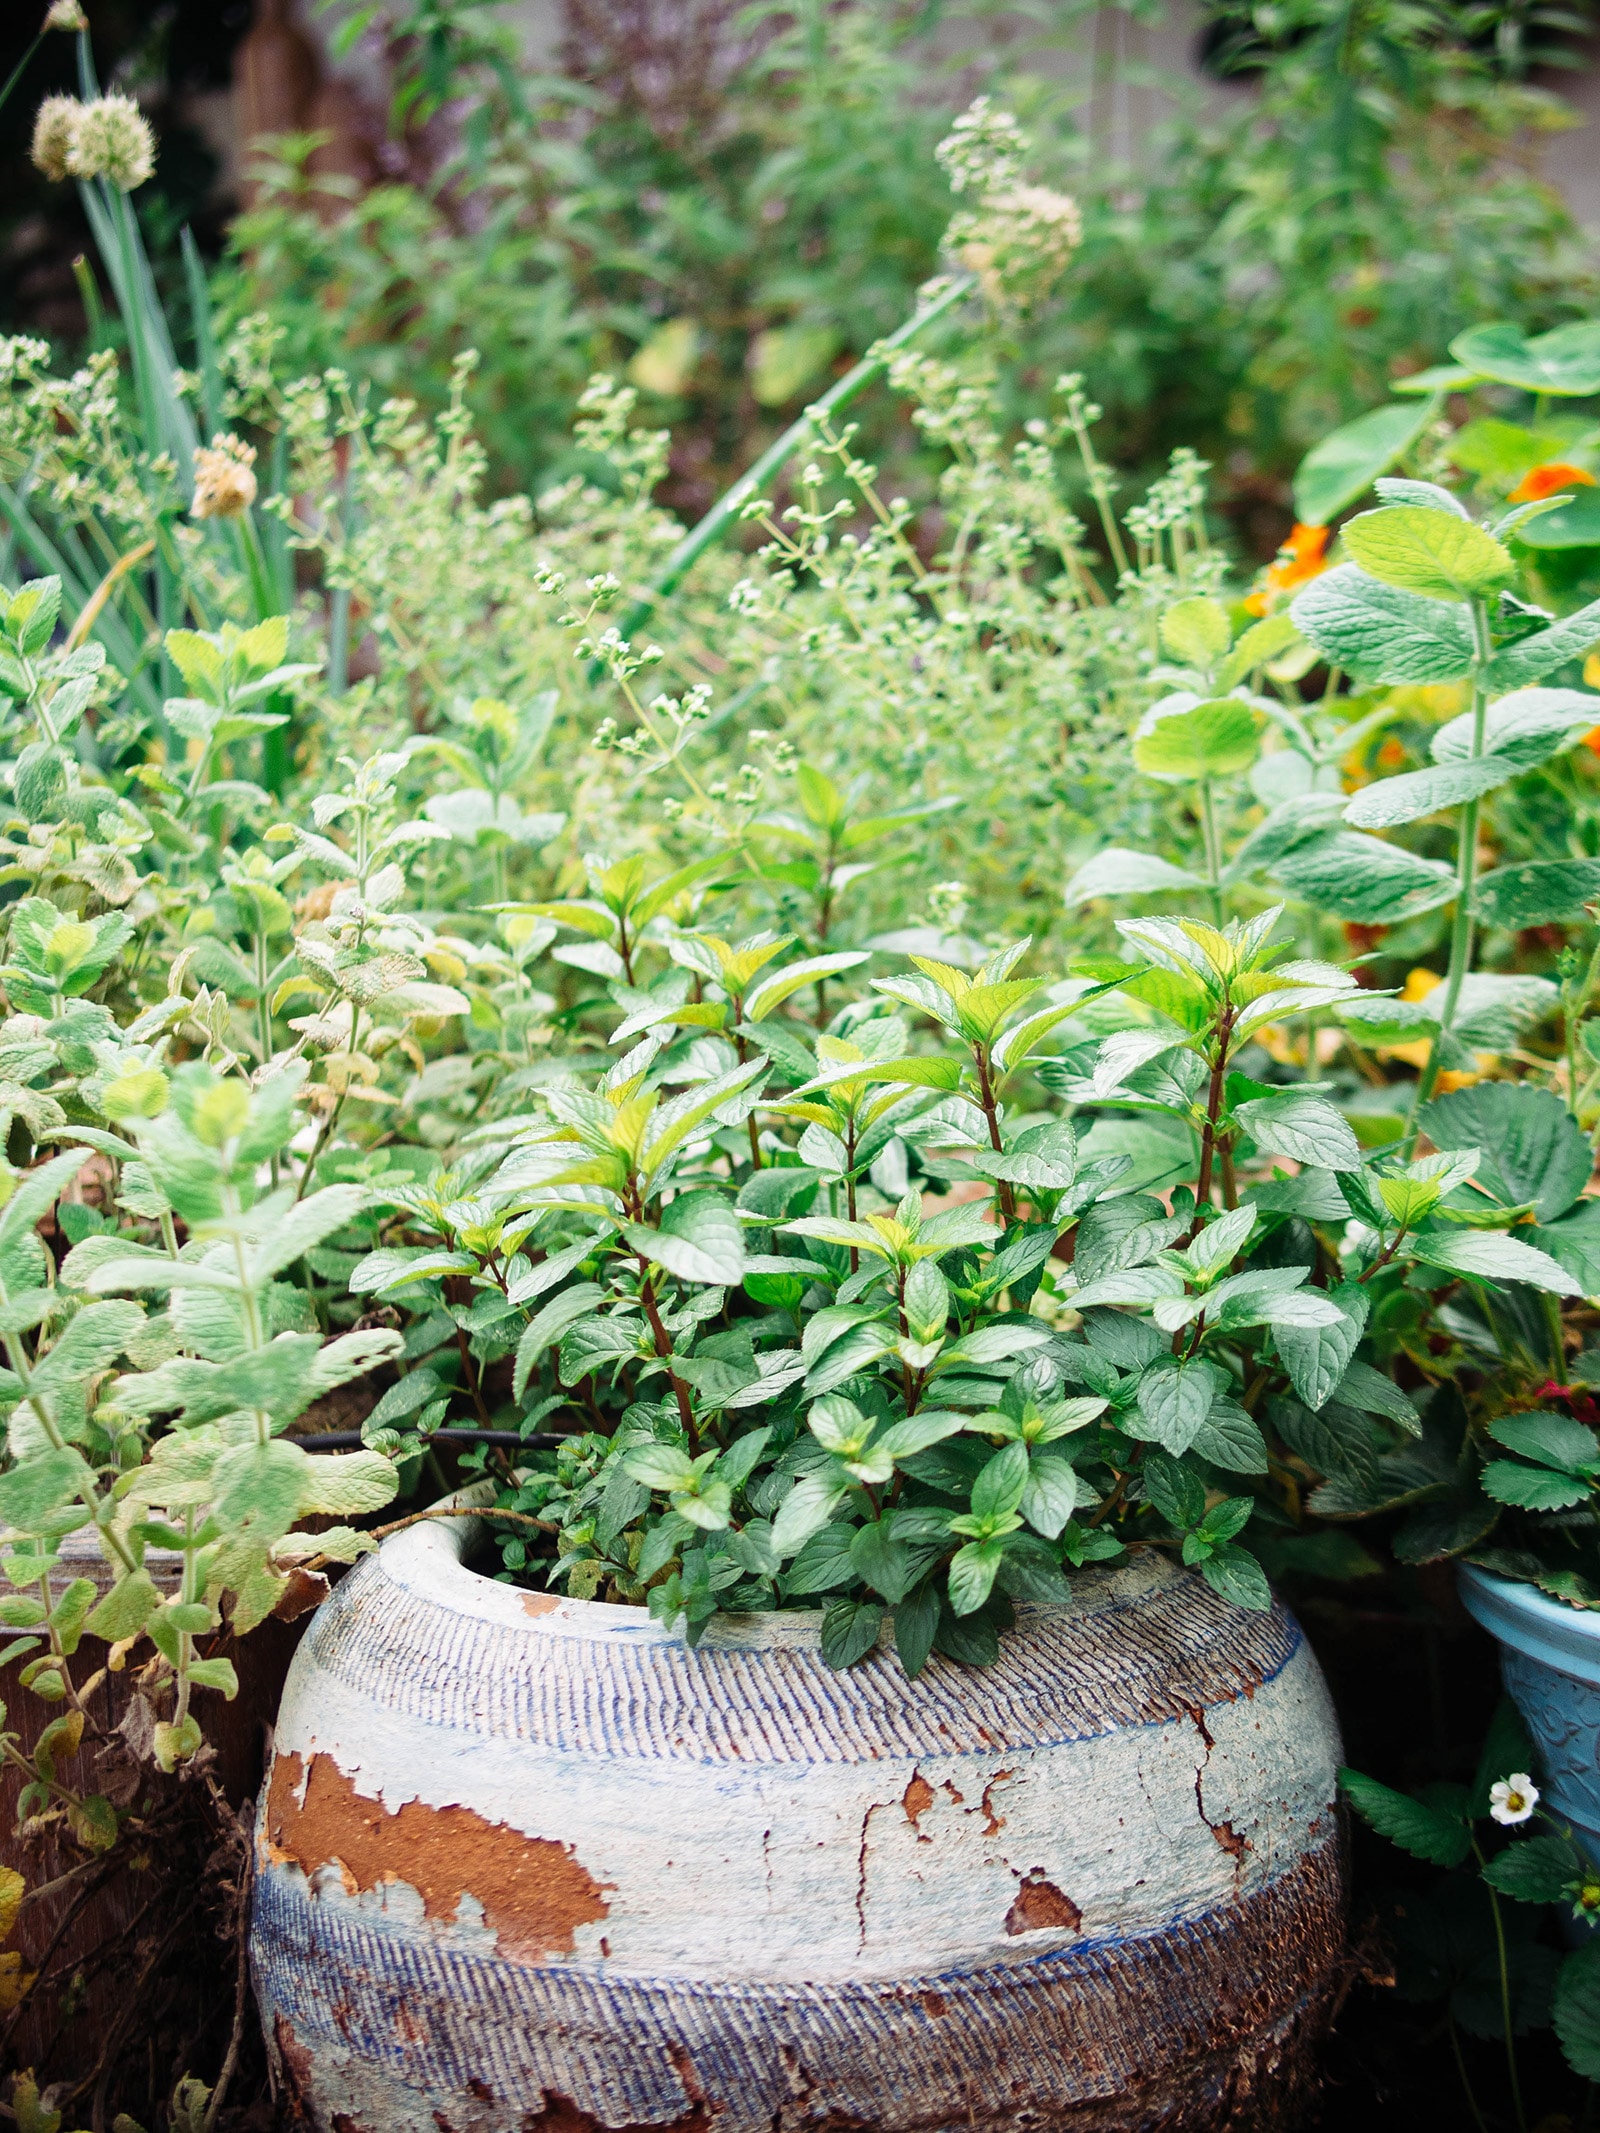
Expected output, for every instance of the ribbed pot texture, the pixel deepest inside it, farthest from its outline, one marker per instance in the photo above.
(531, 1865)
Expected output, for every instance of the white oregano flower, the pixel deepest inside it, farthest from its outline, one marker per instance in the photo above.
(113, 140)
(1513, 1799)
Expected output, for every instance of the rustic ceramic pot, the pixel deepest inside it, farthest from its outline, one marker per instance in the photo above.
(1550, 1661)
(531, 1865)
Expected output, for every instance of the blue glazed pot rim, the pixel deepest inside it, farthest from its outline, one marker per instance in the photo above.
(1529, 1621)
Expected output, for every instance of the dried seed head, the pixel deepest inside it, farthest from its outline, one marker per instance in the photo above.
(113, 141)
(65, 15)
(224, 486)
(55, 129)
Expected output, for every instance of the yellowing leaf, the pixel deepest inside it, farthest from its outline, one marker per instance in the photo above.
(665, 363)
(12, 1890)
(1429, 552)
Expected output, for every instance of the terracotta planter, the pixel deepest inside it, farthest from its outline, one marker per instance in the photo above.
(531, 1864)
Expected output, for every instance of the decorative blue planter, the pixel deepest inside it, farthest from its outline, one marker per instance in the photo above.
(1550, 1660)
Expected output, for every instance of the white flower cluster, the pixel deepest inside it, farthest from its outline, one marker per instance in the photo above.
(109, 138)
(1017, 238)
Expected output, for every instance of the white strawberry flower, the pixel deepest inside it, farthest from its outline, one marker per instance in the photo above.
(1513, 1799)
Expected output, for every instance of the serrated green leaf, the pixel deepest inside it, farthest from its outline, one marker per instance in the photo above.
(1423, 1831)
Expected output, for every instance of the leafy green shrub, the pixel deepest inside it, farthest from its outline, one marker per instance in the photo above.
(690, 1111)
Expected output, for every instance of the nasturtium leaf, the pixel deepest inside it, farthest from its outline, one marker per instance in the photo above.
(1501, 450)
(1427, 552)
(1574, 524)
(1437, 378)
(1343, 465)
(1564, 363)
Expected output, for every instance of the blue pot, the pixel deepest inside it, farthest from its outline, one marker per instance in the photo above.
(1550, 1660)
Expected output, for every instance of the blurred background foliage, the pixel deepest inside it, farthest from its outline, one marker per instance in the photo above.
(729, 203)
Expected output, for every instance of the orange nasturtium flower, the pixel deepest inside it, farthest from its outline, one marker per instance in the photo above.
(1553, 476)
(1302, 557)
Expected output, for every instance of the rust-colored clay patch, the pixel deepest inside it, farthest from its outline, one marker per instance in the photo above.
(534, 1893)
(540, 1603)
(917, 1798)
(560, 2114)
(992, 1823)
(1040, 1903)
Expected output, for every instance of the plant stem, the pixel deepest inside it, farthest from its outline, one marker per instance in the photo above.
(991, 1111)
(1461, 2069)
(1466, 868)
(19, 70)
(1208, 824)
(690, 548)
(663, 1341)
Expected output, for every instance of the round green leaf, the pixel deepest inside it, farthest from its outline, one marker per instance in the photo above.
(1573, 525)
(1208, 740)
(1565, 362)
(1345, 463)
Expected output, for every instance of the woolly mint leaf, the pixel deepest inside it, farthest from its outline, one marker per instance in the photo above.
(1196, 630)
(1418, 793)
(1119, 872)
(1379, 633)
